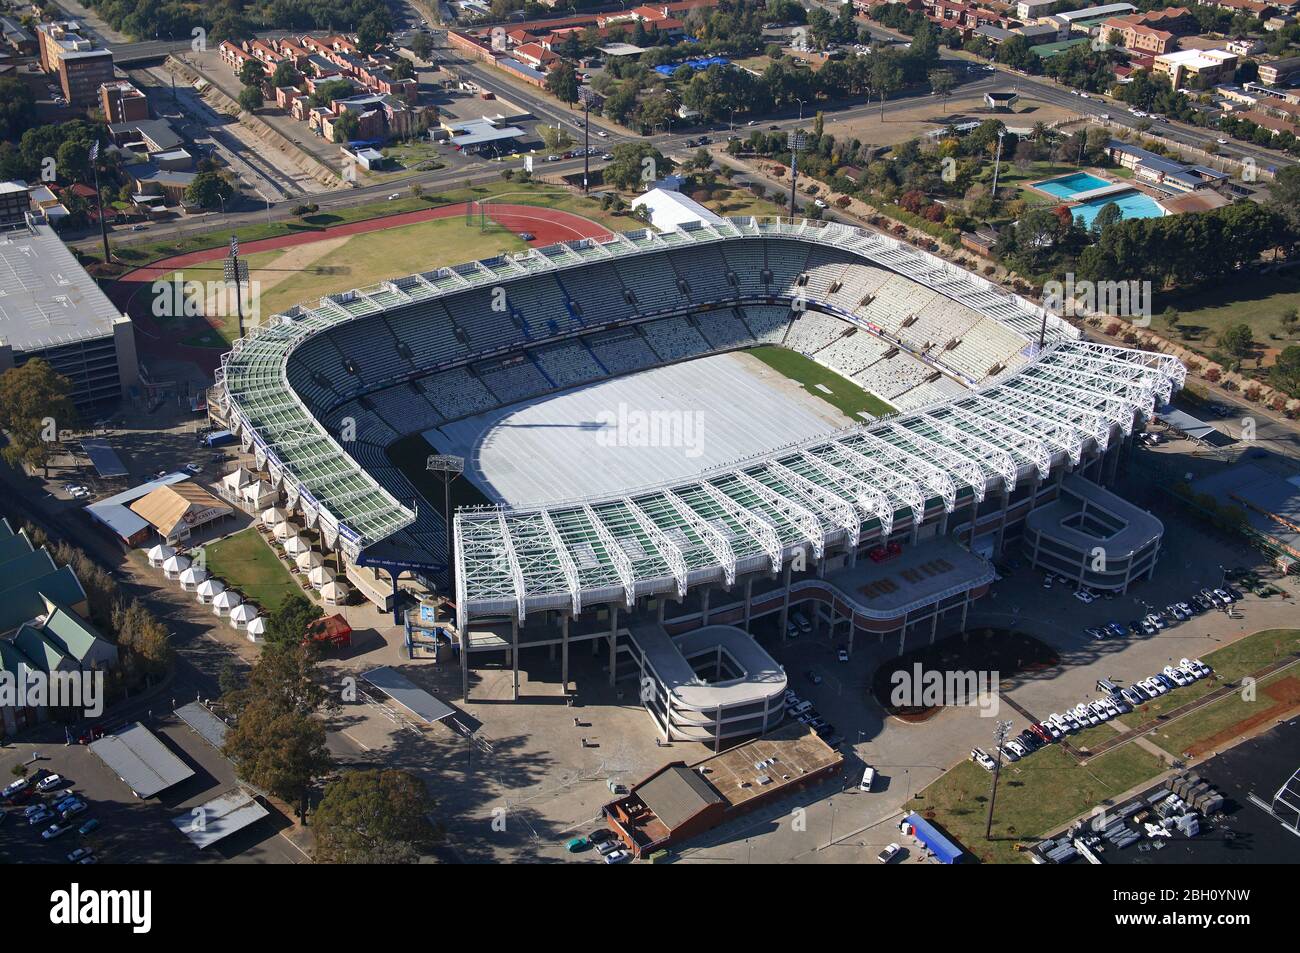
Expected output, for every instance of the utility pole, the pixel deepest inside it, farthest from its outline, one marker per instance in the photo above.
(796, 139)
(1000, 731)
(448, 468)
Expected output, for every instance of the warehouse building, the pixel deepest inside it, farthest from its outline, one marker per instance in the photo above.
(52, 309)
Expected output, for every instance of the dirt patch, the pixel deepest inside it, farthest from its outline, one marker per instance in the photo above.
(1286, 697)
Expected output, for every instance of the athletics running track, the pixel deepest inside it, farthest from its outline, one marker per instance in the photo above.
(547, 225)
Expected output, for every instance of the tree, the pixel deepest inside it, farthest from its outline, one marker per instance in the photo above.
(35, 405)
(144, 638)
(1285, 372)
(403, 68)
(280, 751)
(208, 190)
(422, 46)
(17, 108)
(562, 83)
(285, 74)
(289, 623)
(252, 73)
(555, 138)
(372, 31)
(1284, 198)
(374, 817)
(346, 126)
(1236, 339)
(284, 677)
(942, 82)
(635, 165)
(251, 99)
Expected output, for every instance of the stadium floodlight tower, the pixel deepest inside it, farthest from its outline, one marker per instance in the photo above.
(448, 468)
(796, 139)
(586, 97)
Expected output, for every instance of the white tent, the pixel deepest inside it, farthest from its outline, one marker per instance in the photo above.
(276, 514)
(175, 565)
(160, 554)
(296, 546)
(209, 589)
(334, 592)
(258, 494)
(320, 576)
(233, 482)
(309, 560)
(256, 628)
(191, 578)
(243, 614)
(225, 601)
(285, 529)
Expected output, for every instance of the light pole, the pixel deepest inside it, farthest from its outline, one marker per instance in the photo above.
(796, 140)
(800, 102)
(1000, 731)
(586, 96)
(448, 468)
(997, 165)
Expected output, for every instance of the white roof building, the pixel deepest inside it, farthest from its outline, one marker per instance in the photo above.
(671, 210)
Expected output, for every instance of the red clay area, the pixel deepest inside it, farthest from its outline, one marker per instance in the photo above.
(1285, 694)
(546, 225)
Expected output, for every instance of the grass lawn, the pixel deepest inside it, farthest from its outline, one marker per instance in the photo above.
(1258, 303)
(1090, 738)
(303, 274)
(733, 202)
(845, 396)
(245, 562)
(1179, 736)
(1036, 795)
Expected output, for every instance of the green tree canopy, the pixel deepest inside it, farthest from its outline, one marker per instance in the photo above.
(35, 405)
(374, 817)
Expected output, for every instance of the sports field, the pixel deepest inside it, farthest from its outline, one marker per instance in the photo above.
(841, 393)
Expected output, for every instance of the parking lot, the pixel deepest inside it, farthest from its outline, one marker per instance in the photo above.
(132, 831)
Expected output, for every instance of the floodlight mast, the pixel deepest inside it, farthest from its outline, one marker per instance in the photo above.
(448, 467)
(796, 139)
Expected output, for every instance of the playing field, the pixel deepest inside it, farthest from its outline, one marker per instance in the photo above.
(840, 392)
(653, 426)
(303, 273)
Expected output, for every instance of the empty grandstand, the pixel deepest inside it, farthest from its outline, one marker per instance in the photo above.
(989, 426)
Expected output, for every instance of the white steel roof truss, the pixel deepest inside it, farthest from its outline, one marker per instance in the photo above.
(842, 513)
(904, 490)
(566, 561)
(1033, 404)
(805, 520)
(762, 532)
(512, 561)
(718, 544)
(996, 458)
(669, 550)
(970, 471)
(869, 500)
(1018, 442)
(933, 477)
(622, 562)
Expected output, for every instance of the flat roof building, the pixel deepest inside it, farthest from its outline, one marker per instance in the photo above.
(52, 309)
(81, 66)
(1199, 69)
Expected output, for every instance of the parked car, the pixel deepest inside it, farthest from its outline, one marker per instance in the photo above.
(813, 677)
(801, 621)
(50, 782)
(868, 778)
(842, 654)
(1178, 677)
(1084, 596)
(89, 827)
(1008, 753)
(574, 845)
(979, 756)
(1095, 633)
(41, 816)
(605, 848)
(889, 853)
(618, 857)
(55, 830)
(600, 835)
(74, 856)
(1225, 596)
(13, 787)
(72, 810)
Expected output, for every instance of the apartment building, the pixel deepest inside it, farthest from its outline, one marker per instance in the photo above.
(120, 101)
(81, 66)
(1196, 69)
(1138, 37)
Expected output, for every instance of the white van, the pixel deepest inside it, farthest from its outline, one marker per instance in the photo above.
(868, 778)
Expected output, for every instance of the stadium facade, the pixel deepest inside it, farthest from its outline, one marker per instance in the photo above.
(880, 529)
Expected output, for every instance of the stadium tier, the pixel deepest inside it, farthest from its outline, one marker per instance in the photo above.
(985, 410)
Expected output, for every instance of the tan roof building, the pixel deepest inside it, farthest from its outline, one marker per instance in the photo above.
(178, 509)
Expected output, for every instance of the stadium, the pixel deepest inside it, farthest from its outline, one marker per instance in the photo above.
(639, 475)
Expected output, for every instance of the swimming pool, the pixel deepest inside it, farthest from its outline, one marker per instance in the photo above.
(1068, 186)
(1133, 204)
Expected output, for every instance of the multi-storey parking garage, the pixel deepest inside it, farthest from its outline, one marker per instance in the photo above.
(990, 424)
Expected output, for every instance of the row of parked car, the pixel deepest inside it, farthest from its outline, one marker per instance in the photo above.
(607, 845)
(1114, 701)
(56, 814)
(802, 711)
(1203, 601)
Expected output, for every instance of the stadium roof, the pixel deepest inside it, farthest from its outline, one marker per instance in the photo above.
(354, 511)
(807, 496)
(46, 297)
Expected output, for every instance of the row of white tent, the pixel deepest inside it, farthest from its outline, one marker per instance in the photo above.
(208, 590)
(333, 591)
